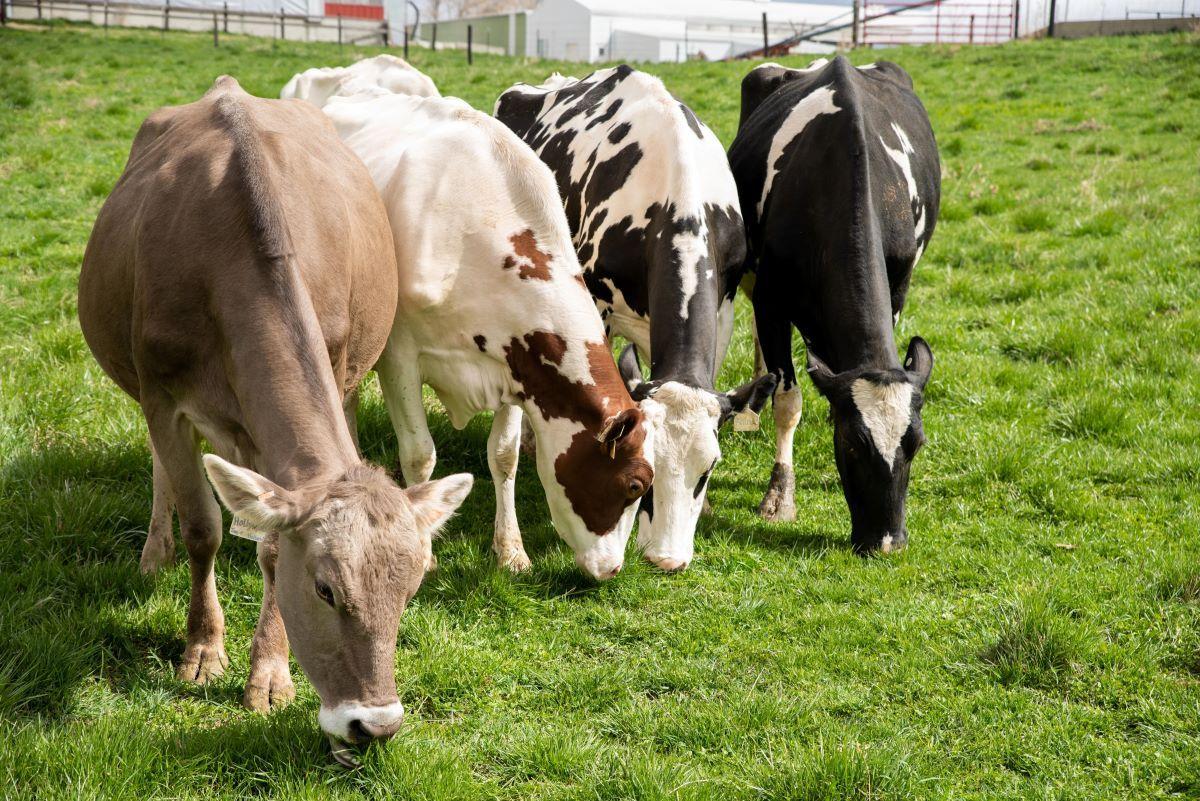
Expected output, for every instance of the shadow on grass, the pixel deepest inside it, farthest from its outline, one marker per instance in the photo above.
(788, 537)
(74, 608)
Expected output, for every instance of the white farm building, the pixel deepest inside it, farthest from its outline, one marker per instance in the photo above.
(666, 30)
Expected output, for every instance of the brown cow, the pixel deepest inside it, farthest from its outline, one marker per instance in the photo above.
(238, 283)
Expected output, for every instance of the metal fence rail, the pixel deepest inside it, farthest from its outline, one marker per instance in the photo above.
(167, 17)
(957, 22)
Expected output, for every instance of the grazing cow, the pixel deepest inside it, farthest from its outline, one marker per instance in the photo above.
(839, 178)
(239, 281)
(654, 216)
(387, 73)
(493, 314)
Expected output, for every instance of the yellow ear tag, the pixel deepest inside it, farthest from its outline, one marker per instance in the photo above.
(745, 420)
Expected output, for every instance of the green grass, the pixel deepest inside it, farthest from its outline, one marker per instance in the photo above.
(1040, 638)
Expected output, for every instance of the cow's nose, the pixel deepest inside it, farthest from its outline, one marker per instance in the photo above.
(362, 730)
(611, 573)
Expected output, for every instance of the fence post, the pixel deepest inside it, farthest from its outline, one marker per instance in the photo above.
(167, 16)
(766, 45)
(225, 11)
(1050, 27)
(433, 41)
(339, 33)
(1016, 19)
(406, 43)
(3, 12)
(282, 29)
(971, 31)
(216, 31)
(854, 23)
(39, 5)
(470, 38)
(106, 17)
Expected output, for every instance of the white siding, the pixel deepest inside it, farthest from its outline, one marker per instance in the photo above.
(562, 29)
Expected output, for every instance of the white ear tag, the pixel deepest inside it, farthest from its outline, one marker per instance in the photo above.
(745, 420)
(241, 527)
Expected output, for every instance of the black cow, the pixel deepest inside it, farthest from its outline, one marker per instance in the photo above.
(654, 216)
(839, 179)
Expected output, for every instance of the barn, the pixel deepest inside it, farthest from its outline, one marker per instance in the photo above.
(666, 30)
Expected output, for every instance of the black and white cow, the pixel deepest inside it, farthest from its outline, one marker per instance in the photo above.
(653, 210)
(839, 179)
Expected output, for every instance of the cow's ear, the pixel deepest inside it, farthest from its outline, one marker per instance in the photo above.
(433, 502)
(827, 382)
(618, 427)
(918, 363)
(257, 503)
(752, 395)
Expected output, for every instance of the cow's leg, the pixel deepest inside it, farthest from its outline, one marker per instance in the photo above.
(400, 379)
(775, 335)
(159, 550)
(504, 449)
(174, 441)
(350, 407)
(270, 683)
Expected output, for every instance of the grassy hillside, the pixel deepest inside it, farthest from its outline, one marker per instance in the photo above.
(1040, 638)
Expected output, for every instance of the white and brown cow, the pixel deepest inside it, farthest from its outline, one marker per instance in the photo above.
(654, 216)
(384, 72)
(493, 314)
(239, 281)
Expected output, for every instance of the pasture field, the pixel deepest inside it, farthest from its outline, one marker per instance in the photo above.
(1040, 638)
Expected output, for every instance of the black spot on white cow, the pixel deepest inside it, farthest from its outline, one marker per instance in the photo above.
(839, 178)
(654, 216)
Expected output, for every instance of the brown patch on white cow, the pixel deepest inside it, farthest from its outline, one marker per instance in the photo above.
(603, 470)
(529, 260)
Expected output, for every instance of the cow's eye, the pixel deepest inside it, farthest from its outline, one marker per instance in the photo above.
(325, 592)
(636, 488)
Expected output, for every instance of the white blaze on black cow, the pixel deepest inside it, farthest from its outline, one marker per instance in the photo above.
(839, 177)
(654, 217)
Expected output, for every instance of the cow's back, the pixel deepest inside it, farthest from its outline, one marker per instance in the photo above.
(819, 172)
(235, 213)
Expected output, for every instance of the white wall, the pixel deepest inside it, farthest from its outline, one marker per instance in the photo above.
(564, 29)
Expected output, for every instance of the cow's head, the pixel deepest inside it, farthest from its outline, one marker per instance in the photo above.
(685, 452)
(877, 432)
(595, 447)
(351, 553)
(594, 480)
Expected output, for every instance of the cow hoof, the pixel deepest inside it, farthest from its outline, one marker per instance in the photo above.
(514, 561)
(779, 504)
(202, 663)
(273, 691)
(156, 555)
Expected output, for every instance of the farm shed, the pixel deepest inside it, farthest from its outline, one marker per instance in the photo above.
(493, 33)
(627, 30)
(666, 30)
